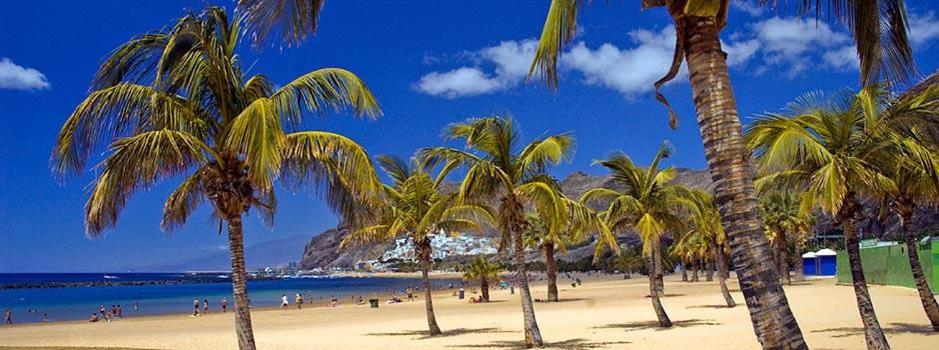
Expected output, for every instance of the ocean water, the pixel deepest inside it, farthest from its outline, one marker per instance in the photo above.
(78, 303)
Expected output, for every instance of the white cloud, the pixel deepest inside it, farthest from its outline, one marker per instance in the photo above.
(844, 58)
(15, 77)
(923, 28)
(793, 43)
(511, 60)
(738, 53)
(749, 7)
(630, 70)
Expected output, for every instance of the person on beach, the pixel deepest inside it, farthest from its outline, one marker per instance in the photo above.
(224, 304)
(45, 317)
(205, 306)
(93, 318)
(120, 311)
(299, 301)
(8, 316)
(195, 307)
(410, 294)
(283, 301)
(136, 305)
(113, 310)
(334, 302)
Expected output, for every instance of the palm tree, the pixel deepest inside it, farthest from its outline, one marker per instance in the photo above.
(177, 103)
(829, 148)
(879, 29)
(548, 241)
(647, 204)
(779, 211)
(498, 169)
(708, 235)
(485, 271)
(414, 206)
(913, 167)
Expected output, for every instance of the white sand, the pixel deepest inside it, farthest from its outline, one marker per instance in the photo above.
(601, 314)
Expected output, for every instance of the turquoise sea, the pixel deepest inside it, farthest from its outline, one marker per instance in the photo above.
(78, 303)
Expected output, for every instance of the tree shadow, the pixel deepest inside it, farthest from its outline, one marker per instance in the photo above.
(570, 344)
(423, 334)
(721, 306)
(562, 300)
(895, 328)
(667, 295)
(635, 326)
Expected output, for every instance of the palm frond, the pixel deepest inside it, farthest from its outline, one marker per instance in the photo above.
(323, 88)
(290, 20)
(560, 27)
(257, 133)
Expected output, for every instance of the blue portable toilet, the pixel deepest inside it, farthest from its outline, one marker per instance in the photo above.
(810, 264)
(827, 265)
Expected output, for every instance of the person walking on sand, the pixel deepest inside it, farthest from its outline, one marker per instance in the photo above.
(205, 306)
(283, 301)
(120, 311)
(410, 294)
(224, 305)
(8, 316)
(299, 301)
(195, 307)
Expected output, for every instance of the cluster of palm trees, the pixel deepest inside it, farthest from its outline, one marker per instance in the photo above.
(177, 103)
(838, 152)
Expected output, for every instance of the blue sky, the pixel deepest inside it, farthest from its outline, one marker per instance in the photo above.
(428, 62)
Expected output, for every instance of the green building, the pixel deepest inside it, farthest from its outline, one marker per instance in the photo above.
(887, 263)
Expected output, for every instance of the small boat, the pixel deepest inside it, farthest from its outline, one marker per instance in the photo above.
(109, 277)
(222, 276)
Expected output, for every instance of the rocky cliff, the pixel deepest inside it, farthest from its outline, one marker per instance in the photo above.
(323, 250)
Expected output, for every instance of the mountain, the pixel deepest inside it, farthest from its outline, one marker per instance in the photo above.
(259, 255)
(322, 251)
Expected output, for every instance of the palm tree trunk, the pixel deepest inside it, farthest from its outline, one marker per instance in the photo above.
(517, 225)
(872, 331)
(239, 282)
(684, 271)
(925, 293)
(657, 266)
(660, 313)
(708, 270)
(721, 269)
(725, 260)
(484, 287)
(781, 251)
(694, 271)
(552, 269)
(424, 253)
(799, 268)
(728, 163)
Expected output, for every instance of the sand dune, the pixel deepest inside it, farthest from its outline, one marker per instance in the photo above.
(602, 314)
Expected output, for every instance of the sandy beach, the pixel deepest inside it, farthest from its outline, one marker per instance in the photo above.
(607, 313)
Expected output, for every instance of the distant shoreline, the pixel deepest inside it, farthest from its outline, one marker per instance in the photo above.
(206, 277)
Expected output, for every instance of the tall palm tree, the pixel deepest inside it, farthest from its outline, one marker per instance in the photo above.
(879, 29)
(498, 168)
(913, 167)
(648, 205)
(708, 234)
(485, 272)
(829, 148)
(414, 206)
(177, 103)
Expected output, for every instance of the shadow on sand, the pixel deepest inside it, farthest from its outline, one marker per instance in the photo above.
(894, 328)
(562, 300)
(635, 326)
(721, 306)
(570, 344)
(423, 334)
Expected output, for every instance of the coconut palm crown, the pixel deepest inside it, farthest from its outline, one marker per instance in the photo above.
(176, 104)
(497, 167)
(414, 206)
